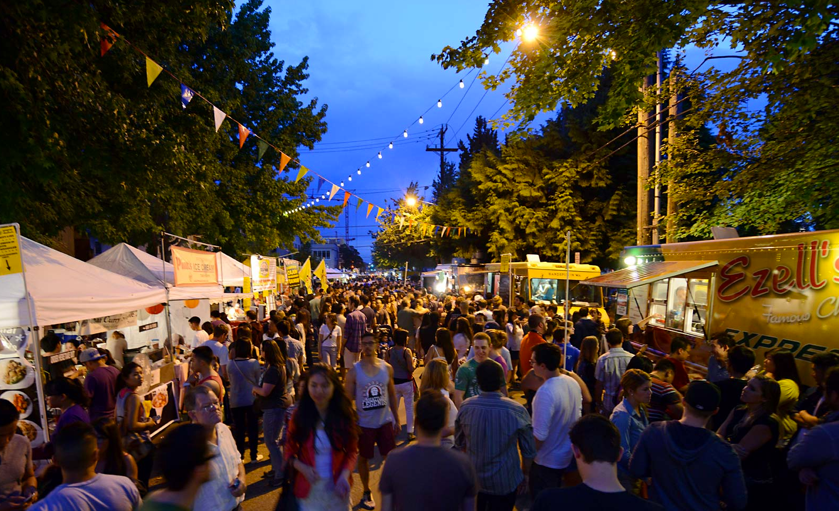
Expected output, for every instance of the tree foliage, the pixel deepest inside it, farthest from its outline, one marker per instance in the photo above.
(87, 144)
(397, 243)
(774, 164)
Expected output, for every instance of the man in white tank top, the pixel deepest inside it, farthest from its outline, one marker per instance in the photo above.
(370, 383)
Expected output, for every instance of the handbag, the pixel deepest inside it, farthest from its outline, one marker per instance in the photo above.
(287, 500)
(138, 446)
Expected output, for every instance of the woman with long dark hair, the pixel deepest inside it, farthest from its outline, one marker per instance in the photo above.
(401, 360)
(753, 430)
(589, 352)
(428, 330)
(274, 400)
(69, 396)
(322, 442)
(463, 337)
(780, 365)
(514, 336)
(134, 423)
(113, 459)
(443, 349)
(243, 372)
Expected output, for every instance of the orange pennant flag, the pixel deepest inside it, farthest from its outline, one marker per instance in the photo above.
(369, 209)
(106, 42)
(243, 134)
(346, 198)
(284, 159)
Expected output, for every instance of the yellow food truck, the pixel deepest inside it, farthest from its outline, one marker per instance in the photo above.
(766, 291)
(544, 283)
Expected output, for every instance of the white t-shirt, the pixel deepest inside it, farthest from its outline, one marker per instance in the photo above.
(330, 341)
(117, 347)
(224, 467)
(323, 454)
(219, 350)
(102, 493)
(514, 336)
(199, 338)
(461, 345)
(556, 407)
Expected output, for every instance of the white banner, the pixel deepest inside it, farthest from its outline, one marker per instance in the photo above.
(115, 322)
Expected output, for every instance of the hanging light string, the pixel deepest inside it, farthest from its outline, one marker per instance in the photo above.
(153, 70)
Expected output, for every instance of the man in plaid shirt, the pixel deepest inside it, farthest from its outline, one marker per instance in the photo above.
(354, 328)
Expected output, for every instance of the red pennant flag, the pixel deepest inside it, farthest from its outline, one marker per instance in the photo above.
(346, 198)
(243, 134)
(106, 42)
(284, 159)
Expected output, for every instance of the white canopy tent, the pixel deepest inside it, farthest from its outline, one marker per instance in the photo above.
(139, 265)
(65, 289)
(233, 272)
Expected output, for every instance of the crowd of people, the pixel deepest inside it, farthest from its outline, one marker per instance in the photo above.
(599, 424)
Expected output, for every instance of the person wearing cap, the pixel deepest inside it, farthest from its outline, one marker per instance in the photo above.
(100, 384)
(691, 467)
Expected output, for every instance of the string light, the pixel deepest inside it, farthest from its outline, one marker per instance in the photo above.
(486, 61)
(405, 133)
(342, 183)
(390, 145)
(359, 172)
(462, 85)
(368, 164)
(323, 196)
(420, 120)
(439, 103)
(349, 178)
(380, 155)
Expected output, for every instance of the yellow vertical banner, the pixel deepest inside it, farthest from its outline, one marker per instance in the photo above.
(246, 289)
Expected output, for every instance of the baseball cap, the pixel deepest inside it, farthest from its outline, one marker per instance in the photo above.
(703, 395)
(89, 355)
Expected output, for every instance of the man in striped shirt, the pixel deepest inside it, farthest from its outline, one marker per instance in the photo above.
(354, 329)
(609, 370)
(492, 429)
(666, 402)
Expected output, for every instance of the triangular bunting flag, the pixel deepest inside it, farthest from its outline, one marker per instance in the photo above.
(243, 134)
(106, 42)
(369, 209)
(284, 159)
(263, 146)
(378, 213)
(153, 69)
(346, 198)
(320, 183)
(302, 172)
(186, 95)
(360, 201)
(218, 117)
(401, 221)
(333, 191)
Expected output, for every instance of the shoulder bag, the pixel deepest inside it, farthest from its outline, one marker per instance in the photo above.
(257, 400)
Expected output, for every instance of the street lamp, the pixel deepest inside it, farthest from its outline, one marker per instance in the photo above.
(411, 201)
(530, 32)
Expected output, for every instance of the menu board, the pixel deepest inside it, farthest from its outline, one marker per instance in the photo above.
(18, 386)
(160, 402)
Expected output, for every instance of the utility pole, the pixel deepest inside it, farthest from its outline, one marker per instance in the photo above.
(643, 202)
(676, 109)
(442, 150)
(657, 174)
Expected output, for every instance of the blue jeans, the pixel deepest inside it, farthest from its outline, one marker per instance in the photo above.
(273, 420)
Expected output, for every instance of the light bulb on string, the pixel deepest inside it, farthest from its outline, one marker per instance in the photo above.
(368, 164)
(405, 133)
(380, 155)
(342, 183)
(462, 85)
(317, 200)
(359, 172)
(486, 61)
(349, 178)
(323, 196)
(390, 145)
(420, 120)
(439, 103)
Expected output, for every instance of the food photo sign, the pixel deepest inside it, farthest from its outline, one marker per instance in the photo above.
(17, 384)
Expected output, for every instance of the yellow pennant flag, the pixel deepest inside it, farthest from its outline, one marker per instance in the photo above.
(369, 209)
(302, 172)
(305, 270)
(320, 273)
(378, 213)
(284, 159)
(153, 70)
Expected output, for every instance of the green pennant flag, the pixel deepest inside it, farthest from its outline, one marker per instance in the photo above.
(263, 146)
(302, 172)
(360, 202)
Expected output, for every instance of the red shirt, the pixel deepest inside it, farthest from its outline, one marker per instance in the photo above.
(680, 378)
(530, 340)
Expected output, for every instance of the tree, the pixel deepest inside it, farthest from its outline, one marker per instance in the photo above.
(350, 258)
(397, 242)
(777, 163)
(445, 180)
(87, 144)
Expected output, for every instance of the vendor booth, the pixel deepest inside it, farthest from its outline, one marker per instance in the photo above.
(42, 289)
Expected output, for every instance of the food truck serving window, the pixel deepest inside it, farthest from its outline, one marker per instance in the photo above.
(553, 290)
(680, 303)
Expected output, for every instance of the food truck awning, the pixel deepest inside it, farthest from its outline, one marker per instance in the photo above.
(647, 273)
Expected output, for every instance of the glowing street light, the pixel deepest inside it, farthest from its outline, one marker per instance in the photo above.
(411, 201)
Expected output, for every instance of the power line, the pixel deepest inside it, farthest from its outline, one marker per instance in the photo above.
(367, 139)
(468, 117)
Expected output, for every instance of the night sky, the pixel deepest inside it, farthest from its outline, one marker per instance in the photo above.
(370, 63)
